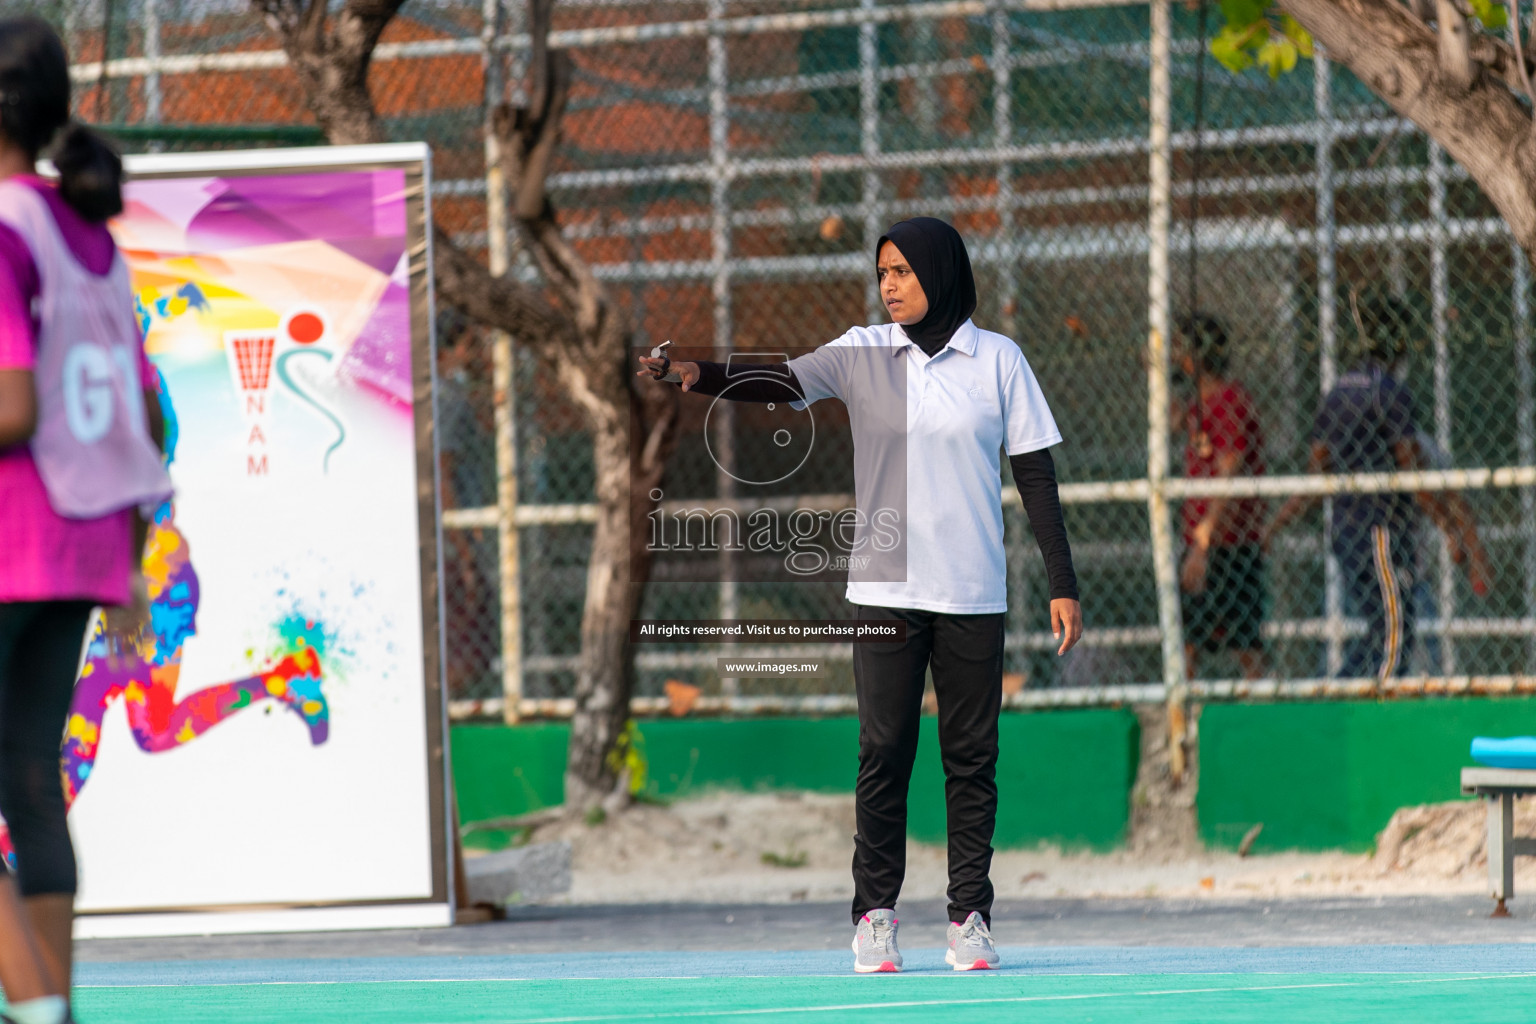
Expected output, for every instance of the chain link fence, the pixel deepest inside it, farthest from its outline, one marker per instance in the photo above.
(727, 166)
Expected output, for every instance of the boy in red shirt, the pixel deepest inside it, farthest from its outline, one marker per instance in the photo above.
(1223, 575)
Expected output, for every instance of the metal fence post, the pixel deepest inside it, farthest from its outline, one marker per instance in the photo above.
(152, 56)
(1002, 136)
(1439, 306)
(724, 413)
(1525, 433)
(1008, 268)
(924, 99)
(869, 146)
(1327, 335)
(1159, 217)
(504, 387)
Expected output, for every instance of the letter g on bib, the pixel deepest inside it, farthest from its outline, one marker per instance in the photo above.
(88, 380)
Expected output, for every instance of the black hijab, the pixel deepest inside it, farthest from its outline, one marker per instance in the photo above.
(936, 254)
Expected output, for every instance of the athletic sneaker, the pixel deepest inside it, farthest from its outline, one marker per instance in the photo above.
(6, 1018)
(970, 945)
(874, 944)
(68, 1018)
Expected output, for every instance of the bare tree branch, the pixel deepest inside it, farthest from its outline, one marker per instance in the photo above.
(539, 132)
(1498, 60)
(1482, 125)
(527, 137)
(331, 55)
(464, 283)
(540, 15)
(1496, 56)
(1455, 47)
(313, 26)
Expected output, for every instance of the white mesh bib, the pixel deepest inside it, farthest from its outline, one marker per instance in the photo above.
(92, 445)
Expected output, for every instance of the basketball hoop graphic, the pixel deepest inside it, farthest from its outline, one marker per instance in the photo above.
(250, 364)
(251, 356)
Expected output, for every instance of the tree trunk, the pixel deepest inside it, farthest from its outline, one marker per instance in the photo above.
(1483, 127)
(626, 475)
(1163, 823)
(605, 680)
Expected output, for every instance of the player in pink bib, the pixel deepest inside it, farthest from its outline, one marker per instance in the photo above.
(79, 455)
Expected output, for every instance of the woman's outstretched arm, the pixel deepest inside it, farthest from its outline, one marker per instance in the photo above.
(748, 382)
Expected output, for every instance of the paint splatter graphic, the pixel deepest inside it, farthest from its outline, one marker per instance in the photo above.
(144, 674)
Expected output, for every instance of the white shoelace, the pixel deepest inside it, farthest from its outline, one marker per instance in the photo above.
(975, 931)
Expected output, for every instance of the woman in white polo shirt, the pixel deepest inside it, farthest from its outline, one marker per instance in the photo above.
(968, 393)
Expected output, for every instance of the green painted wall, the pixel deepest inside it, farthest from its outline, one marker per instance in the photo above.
(1064, 776)
(1329, 775)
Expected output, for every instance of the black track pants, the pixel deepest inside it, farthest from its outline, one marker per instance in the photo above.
(40, 646)
(966, 654)
(1378, 587)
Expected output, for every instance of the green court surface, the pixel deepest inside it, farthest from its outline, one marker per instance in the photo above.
(449, 990)
(1149, 999)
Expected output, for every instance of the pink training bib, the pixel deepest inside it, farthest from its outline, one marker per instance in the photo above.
(92, 446)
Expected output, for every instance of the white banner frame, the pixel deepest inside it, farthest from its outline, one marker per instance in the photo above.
(436, 909)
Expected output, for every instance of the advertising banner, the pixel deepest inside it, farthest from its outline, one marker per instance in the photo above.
(274, 739)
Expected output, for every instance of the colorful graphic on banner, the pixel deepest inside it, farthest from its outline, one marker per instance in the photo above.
(144, 670)
(284, 577)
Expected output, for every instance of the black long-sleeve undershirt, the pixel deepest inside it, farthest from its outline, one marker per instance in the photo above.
(749, 382)
(1034, 473)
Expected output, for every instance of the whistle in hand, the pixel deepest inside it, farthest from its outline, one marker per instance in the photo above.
(666, 372)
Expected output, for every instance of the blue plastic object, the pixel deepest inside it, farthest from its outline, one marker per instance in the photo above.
(1515, 752)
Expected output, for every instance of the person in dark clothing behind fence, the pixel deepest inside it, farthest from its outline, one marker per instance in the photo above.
(967, 395)
(1222, 577)
(1367, 424)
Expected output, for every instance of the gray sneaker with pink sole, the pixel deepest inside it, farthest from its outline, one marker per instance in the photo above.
(970, 945)
(874, 944)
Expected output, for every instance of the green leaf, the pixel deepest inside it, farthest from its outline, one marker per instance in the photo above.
(1490, 12)
(1227, 48)
(1257, 33)
(1298, 35)
(1278, 55)
(628, 752)
(1288, 55)
(1231, 46)
(1242, 13)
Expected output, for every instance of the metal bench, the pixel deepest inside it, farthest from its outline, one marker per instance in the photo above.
(1499, 787)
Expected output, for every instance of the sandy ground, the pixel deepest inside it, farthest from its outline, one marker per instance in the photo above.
(777, 847)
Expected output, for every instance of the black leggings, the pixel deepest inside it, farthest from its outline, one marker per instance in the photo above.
(966, 655)
(40, 646)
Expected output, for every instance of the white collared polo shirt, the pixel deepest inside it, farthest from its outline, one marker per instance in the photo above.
(974, 397)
